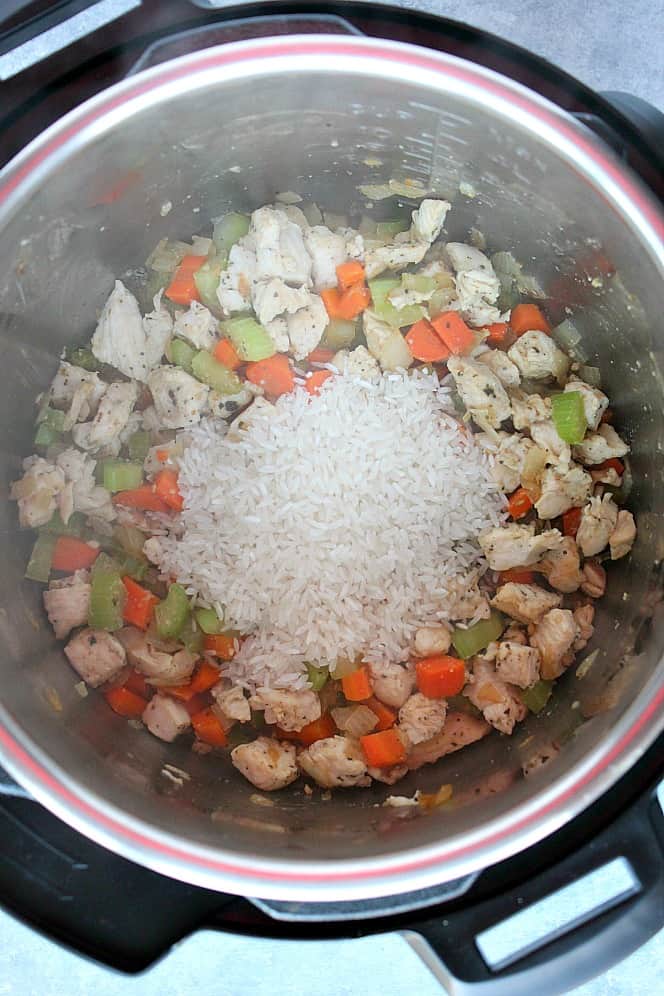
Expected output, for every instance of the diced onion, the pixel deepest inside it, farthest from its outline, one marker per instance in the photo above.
(355, 720)
(568, 337)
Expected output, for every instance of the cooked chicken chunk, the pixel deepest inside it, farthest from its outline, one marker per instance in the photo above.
(498, 701)
(229, 406)
(335, 762)
(289, 710)
(388, 775)
(595, 402)
(112, 416)
(274, 297)
(622, 538)
(37, 492)
(554, 636)
(600, 446)
(500, 363)
(119, 338)
(268, 764)
(277, 330)
(420, 718)
(179, 399)
(96, 656)
(517, 664)
(327, 250)
(166, 718)
(561, 490)
(88, 496)
(386, 343)
(67, 603)
(357, 362)
(562, 567)
(392, 683)
(545, 435)
(158, 328)
(480, 390)
(526, 603)
(76, 390)
(537, 356)
(197, 325)
(159, 667)
(395, 256)
(516, 546)
(279, 246)
(598, 520)
(428, 219)
(477, 285)
(460, 729)
(528, 409)
(306, 326)
(583, 617)
(237, 280)
(232, 702)
(432, 640)
(509, 451)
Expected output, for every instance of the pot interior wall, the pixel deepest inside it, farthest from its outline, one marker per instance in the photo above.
(235, 146)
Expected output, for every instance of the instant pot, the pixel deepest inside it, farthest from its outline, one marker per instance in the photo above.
(216, 110)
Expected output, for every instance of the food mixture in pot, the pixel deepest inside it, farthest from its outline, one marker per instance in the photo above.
(336, 501)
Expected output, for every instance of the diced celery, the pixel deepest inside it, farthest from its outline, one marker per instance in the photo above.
(39, 565)
(167, 255)
(46, 436)
(52, 418)
(536, 697)
(418, 282)
(317, 676)
(182, 354)
(250, 339)
(81, 356)
(56, 527)
(468, 642)
(206, 279)
(388, 229)
(120, 475)
(192, 637)
(380, 288)
(138, 445)
(569, 416)
(130, 539)
(209, 621)
(339, 333)
(135, 567)
(208, 370)
(591, 375)
(229, 229)
(172, 613)
(107, 595)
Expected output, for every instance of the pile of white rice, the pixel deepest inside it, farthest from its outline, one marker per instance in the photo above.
(332, 527)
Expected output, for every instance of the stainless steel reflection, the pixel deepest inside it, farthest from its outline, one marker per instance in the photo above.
(230, 128)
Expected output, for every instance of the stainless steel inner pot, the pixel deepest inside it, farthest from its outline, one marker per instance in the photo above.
(160, 155)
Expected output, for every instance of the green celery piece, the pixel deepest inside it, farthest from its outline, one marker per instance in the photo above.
(468, 642)
(129, 539)
(569, 416)
(229, 229)
(250, 339)
(172, 613)
(82, 356)
(206, 279)
(52, 418)
(388, 229)
(107, 595)
(56, 527)
(208, 370)
(317, 676)
(339, 333)
(120, 475)
(46, 436)
(400, 317)
(182, 354)
(381, 287)
(135, 567)
(39, 565)
(192, 637)
(418, 282)
(536, 697)
(139, 445)
(209, 621)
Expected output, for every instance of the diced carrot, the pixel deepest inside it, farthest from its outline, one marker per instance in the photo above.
(166, 486)
(318, 729)
(519, 503)
(349, 274)
(208, 728)
(320, 355)
(72, 554)
(125, 702)
(221, 645)
(347, 304)
(331, 297)
(162, 455)
(226, 353)
(194, 704)
(139, 604)
(182, 288)
(383, 749)
(440, 677)
(144, 498)
(314, 383)
(454, 332)
(571, 521)
(499, 334)
(137, 684)
(613, 463)
(517, 575)
(528, 318)
(204, 677)
(425, 344)
(274, 375)
(386, 717)
(357, 686)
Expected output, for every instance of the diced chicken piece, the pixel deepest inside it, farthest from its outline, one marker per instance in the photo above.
(432, 640)
(274, 297)
(179, 399)
(554, 637)
(583, 617)
(465, 600)
(561, 490)
(497, 700)
(598, 520)
(357, 363)
(159, 667)
(353, 241)
(152, 550)
(277, 330)
(158, 328)
(600, 446)
(537, 356)
(526, 603)
(267, 763)
(335, 762)
(595, 402)
(197, 325)
(481, 391)
(229, 406)
(396, 256)
(289, 710)
(506, 371)
(77, 390)
(477, 285)
(388, 775)
(515, 634)
(528, 409)
(562, 567)
(515, 545)
(166, 718)
(287, 203)
(237, 280)
(232, 702)
(37, 492)
(67, 602)
(622, 538)
(111, 418)
(517, 664)
(466, 258)
(89, 497)
(386, 343)
(119, 338)
(420, 718)
(280, 248)
(594, 579)
(428, 220)
(306, 326)
(460, 729)
(392, 683)
(509, 451)
(327, 250)
(545, 435)
(96, 656)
